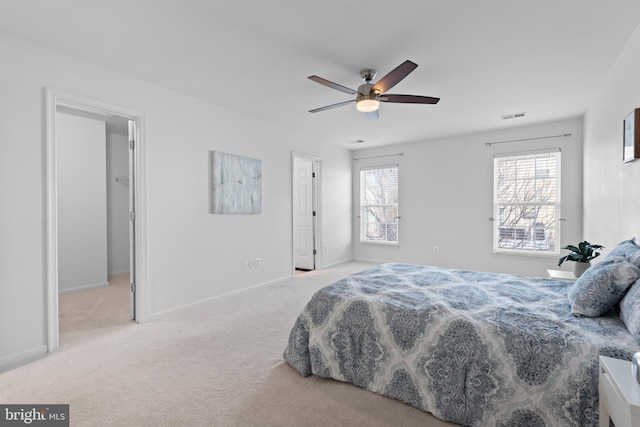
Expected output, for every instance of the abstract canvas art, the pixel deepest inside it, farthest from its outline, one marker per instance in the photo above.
(631, 150)
(236, 184)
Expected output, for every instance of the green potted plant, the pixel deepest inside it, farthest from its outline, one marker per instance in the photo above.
(582, 255)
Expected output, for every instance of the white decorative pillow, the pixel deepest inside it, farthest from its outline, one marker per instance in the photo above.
(630, 309)
(602, 286)
(628, 249)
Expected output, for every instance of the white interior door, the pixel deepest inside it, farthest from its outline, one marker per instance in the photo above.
(132, 216)
(81, 203)
(303, 214)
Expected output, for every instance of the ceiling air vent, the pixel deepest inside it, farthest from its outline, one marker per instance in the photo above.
(512, 116)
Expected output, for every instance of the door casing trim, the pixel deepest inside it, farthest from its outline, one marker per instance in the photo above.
(318, 205)
(53, 98)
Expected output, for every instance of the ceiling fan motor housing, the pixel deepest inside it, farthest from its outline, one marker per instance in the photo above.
(364, 92)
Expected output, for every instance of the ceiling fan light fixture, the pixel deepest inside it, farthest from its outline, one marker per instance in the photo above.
(367, 103)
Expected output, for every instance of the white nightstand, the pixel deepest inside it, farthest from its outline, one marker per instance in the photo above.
(619, 393)
(561, 274)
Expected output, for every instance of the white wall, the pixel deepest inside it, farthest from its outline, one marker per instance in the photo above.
(82, 203)
(117, 204)
(192, 255)
(612, 188)
(446, 199)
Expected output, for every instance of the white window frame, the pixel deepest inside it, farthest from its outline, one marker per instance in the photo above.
(364, 206)
(536, 247)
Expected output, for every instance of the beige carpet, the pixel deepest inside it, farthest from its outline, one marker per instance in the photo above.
(86, 315)
(219, 364)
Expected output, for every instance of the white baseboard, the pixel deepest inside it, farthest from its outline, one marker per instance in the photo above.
(12, 360)
(335, 264)
(82, 288)
(208, 300)
(372, 260)
(118, 273)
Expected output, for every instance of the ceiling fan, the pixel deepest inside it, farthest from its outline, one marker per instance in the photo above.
(369, 96)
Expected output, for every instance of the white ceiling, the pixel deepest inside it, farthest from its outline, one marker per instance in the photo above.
(484, 59)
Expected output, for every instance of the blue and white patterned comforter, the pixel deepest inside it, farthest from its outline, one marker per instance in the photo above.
(472, 348)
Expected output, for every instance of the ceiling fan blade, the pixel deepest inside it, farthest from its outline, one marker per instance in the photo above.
(394, 77)
(373, 115)
(409, 99)
(332, 85)
(329, 107)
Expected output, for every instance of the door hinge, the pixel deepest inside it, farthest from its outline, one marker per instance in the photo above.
(315, 252)
(313, 174)
(133, 287)
(314, 213)
(132, 144)
(132, 216)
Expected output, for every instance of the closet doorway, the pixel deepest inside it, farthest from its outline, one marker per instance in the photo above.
(306, 212)
(92, 194)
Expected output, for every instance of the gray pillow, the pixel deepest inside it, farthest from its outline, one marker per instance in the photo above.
(630, 309)
(628, 249)
(601, 287)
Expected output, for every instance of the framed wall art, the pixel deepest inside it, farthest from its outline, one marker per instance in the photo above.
(235, 184)
(631, 139)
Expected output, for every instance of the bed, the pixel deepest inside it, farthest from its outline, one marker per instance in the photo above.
(472, 348)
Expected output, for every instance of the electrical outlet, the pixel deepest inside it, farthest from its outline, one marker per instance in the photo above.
(251, 263)
(436, 249)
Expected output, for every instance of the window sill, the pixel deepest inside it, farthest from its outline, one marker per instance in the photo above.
(388, 244)
(549, 255)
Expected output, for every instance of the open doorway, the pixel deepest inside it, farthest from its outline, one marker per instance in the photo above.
(306, 213)
(92, 162)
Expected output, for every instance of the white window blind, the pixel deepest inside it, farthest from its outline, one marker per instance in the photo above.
(527, 202)
(379, 204)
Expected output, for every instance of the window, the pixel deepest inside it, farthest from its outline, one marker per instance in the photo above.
(527, 203)
(379, 205)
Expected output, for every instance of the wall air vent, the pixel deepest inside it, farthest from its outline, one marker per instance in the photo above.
(512, 116)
